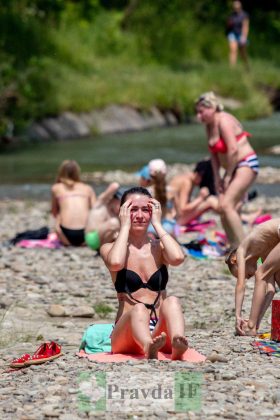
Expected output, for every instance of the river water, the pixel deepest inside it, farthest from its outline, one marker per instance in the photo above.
(37, 163)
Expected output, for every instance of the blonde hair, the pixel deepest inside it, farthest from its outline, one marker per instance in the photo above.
(159, 182)
(69, 172)
(210, 100)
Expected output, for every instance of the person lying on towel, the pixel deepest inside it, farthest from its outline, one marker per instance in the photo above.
(147, 320)
(263, 242)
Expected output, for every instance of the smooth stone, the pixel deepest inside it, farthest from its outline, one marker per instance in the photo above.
(80, 312)
(215, 357)
(56, 310)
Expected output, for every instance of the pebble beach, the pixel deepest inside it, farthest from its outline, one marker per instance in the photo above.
(236, 382)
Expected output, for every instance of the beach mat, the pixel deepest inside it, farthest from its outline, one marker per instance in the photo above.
(268, 347)
(190, 355)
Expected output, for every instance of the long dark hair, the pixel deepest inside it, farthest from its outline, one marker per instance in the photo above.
(159, 181)
(134, 190)
(204, 169)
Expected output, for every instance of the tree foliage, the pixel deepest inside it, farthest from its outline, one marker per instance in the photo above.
(178, 34)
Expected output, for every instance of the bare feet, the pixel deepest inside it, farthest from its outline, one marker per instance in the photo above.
(179, 346)
(248, 328)
(251, 332)
(152, 348)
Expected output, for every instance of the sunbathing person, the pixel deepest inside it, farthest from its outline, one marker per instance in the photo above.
(147, 320)
(103, 223)
(188, 208)
(263, 242)
(71, 202)
(182, 187)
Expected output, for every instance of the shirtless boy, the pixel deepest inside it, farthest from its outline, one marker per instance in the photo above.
(103, 223)
(263, 242)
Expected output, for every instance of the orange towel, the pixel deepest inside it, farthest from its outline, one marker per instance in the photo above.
(190, 355)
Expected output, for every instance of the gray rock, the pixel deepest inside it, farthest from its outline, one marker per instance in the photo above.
(66, 126)
(56, 310)
(82, 311)
(37, 132)
(275, 150)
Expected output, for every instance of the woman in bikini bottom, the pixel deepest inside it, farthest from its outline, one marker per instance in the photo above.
(147, 320)
(72, 200)
(230, 148)
(76, 237)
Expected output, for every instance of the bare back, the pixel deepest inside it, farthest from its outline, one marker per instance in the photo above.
(262, 240)
(72, 204)
(181, 187)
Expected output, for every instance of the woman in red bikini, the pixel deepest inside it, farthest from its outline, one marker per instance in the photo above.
(147, 320)
(229, 147)
(71, 202)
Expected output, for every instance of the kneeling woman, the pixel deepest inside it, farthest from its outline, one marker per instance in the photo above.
(147, 320)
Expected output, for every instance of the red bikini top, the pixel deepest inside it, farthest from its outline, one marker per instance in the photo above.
(220, 145)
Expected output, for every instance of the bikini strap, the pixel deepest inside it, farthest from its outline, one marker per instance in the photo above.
(151, 306)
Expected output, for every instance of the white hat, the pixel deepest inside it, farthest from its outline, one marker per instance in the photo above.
(157, 166)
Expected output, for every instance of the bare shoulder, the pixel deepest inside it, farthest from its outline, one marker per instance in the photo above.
(268, 226)
(227, 120)
(56, 188)
(90, 189)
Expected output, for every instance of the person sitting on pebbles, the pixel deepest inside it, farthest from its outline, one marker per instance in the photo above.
(263, 242)
(103, 223)
(147, 320)
(71, 203)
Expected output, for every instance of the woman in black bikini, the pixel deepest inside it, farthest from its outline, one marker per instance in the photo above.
(71, 202)
(147, 320)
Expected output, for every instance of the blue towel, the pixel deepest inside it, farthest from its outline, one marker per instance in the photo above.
(96, 338)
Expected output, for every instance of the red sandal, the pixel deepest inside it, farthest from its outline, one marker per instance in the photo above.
(44, 353)
(20, 362)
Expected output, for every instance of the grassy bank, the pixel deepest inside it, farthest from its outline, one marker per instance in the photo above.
(88, 65)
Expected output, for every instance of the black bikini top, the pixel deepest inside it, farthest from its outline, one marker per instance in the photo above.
(128, 281)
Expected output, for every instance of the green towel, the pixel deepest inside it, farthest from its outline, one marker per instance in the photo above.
(96, 338)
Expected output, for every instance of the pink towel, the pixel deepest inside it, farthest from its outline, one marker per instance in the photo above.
(51, 242)
(196, 226)
(262, 218)
(190, 355)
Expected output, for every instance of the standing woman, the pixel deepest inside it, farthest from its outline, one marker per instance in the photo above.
(147, 320)
(71, 202)
(237, 33)
(229, 147)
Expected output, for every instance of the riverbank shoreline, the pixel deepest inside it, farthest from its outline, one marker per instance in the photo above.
(267, 183)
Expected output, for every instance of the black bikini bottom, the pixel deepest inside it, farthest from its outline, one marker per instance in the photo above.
(76, 237)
